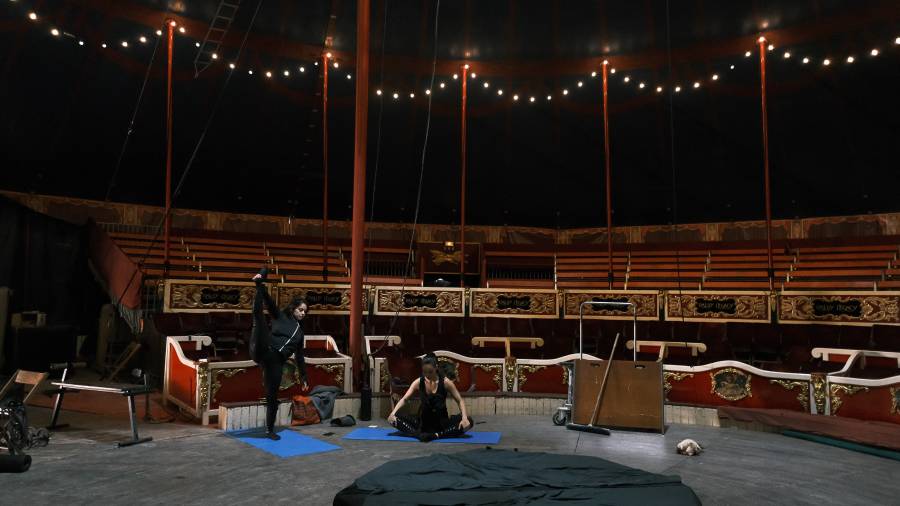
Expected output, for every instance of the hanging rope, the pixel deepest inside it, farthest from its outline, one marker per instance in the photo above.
(187, 169)
(412, 236)
(674, 234)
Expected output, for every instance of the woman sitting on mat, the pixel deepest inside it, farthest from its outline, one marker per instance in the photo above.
(270, 350)
(433, 422)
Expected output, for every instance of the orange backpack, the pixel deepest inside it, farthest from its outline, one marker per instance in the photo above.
(304, 412)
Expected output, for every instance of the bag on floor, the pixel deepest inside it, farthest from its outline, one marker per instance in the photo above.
(304, 411)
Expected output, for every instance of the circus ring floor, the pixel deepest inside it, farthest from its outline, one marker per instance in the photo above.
(187, 463)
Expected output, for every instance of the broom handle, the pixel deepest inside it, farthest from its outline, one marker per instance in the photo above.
(603, 383)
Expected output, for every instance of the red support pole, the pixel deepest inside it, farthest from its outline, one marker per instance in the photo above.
(462, 183)
(765, 136)
(170, 25)
(359, 184)
(325, 168)
(609, 247)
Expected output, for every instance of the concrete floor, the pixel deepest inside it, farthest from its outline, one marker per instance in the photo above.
(198, 465)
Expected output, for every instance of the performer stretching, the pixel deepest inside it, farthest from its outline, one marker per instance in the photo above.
(432, 421)
(271, 349)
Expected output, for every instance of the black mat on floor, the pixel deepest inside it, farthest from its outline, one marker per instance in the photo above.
(494, 477)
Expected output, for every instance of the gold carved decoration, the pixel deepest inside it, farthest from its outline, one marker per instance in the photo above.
(840, 308)
(730, 384)
(187, 296)
(385, 377)
(203, 383)
(647, 304)
(669, 377)
(820, 392)
(314, 296)
(836, 400)
(330, 369)
(895, 400)
(449, 368)
(497, 371)
(539, 303)
(734, 306)
(445, 301)
(290, 375)
(802, 396)
(439, 257)
(228, 373)
(527, 368)
(510, 364)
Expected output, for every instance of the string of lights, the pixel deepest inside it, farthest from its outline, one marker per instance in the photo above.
(514, 96)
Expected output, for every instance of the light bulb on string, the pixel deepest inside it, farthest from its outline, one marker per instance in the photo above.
(250, 72)
(531, 99)
(473, 75)
(54, 32)
(851, 59)
(731, 67)
(696, 84)
(428, 92)
(515, 97)
(500, 92)
(378, 92)
(103, 45)
(442, 85)
(80, 42)
(771, 47)
(627, 79)
(159, 33)
(287, 73)
(396, 95)
(897, 41)
(805, 61)
(580, 84)
(32, 16)
(466, 66)
(659, 89)
(335, 65)
(328, 55)
(412, 95)
(215, 56)
(143, 39)
(594, 74)
(487, 84)
(181, 29)
(231, 66)
(678, 89)
(268, 74)
(641, 86)
(124, 43)
(316, 63)
(565, 92)
(349, 77)
(302, 69)
(549, 97)
(455, 76)
(873, 52)
(715, 77)
(826, 62)
(612, 71)
(197, 44)
(787, 54)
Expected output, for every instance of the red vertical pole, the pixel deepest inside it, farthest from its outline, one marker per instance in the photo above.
(325, 168)
(608, 177)
(462, 184)
(765, 136)
(170, 26)
(359, 184)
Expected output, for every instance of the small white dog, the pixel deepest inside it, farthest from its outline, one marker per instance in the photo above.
(689, 447)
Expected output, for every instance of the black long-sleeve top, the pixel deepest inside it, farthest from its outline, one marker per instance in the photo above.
(287, 332)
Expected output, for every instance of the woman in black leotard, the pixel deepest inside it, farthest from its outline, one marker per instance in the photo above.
(432, 421)
(270, 349)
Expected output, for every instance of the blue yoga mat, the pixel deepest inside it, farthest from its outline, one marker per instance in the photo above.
(379, 434)
(291, 444)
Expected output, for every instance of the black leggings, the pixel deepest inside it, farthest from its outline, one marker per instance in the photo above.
(409, 425)
(270, 361)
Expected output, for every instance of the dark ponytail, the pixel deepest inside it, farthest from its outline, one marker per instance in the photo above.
(294, 304)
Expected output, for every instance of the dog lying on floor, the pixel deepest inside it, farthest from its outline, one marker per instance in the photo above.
(689, 447)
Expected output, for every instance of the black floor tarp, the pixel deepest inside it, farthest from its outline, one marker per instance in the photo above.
(500, 477)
